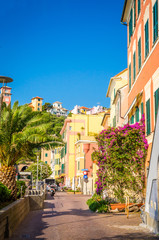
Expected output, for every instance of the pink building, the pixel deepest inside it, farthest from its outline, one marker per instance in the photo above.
(6, 93)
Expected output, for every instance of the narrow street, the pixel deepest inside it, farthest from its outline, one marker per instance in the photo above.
(67, 217)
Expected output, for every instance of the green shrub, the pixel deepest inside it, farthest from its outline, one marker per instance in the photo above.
(5, 193)
(19, 184)
(97, 204)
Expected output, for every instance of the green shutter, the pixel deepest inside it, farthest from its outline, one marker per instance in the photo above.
(129, 76)
(63, 168)
(156, 101)
(142, 108)
(155, 21)
(134, 12)
(130, 25)
(137, 115)
(146, 38)
(132, 119)
(148, 124)
(65, 148)
(139, 53)
(139, 6)
(134, 66)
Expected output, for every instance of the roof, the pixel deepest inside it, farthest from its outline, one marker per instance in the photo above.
(118, 92)
(125, 10)
(37, 98)
(107, 114)
(57, 102)
(6, 87)
(84, 108)
(115, 77)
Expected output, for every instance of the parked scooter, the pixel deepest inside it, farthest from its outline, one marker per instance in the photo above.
(52, 192)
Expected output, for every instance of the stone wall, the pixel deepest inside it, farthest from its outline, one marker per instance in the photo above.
(12, 215)
(36, 202)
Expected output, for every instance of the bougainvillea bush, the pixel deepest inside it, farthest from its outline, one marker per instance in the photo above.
(121, 160)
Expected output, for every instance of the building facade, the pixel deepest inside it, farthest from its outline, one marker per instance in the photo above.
(36, 104)
(141, 18)
(77, 127)
(58, 110)
(117, 82)
(6, 94)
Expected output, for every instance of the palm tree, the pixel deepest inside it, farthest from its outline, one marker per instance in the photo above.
(21, 131)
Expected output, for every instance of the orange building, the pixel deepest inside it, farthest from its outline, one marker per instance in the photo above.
(36, 104)
(141, 18)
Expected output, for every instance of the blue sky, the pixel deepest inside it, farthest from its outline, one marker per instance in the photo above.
(62, 50)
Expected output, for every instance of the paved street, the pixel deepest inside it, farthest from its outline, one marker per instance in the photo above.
(67, 217)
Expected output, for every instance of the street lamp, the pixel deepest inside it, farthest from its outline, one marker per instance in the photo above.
(37, 173)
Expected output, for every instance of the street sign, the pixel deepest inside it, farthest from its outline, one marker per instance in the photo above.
(85, 176)
(85, 173)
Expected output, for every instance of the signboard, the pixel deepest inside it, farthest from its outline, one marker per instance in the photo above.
(85, 176)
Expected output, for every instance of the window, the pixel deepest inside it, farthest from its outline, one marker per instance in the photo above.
(46, 162)
(130, 25)
(38, 104)
(148, 124)
(39, 99)
(156, 96)
(139, 53)
(38, 109)
(155, 21)
(146, 38)
(70, 128)
(139, 6)
(134, 13)
(129, 76)
(132, 119)
(46, 155)
(137, 115)
(134, 66)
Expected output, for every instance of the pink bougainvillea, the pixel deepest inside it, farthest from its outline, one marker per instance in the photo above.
(121, 159)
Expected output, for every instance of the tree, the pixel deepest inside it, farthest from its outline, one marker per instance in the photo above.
(121, 160)
(22, 131)
(46, 106)
(44, 170)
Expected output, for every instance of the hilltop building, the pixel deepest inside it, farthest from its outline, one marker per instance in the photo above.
(84, 110)
(58, 110)
(36, 104)
(6, 93)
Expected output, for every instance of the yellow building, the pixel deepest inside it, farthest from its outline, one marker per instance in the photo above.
(53, 159)
(36, 104)
(117, 82)
(75, 128)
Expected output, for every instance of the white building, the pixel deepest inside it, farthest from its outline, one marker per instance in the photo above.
(83, 110)
(58, 110)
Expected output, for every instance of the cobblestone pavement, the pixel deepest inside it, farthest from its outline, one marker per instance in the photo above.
(67, 217)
